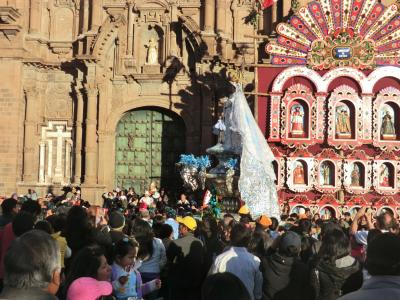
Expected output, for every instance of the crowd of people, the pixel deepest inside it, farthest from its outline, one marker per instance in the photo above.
(155, 247)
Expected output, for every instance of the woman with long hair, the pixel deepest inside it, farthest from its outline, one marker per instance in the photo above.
(151, 253)
(333, 271)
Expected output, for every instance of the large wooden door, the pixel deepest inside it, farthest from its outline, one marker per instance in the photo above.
(148, 144)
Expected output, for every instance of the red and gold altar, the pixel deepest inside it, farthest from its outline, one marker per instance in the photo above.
(332, 117)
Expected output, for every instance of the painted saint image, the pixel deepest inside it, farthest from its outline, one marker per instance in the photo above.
(387, 125)
(384, 176)
(298, 174)
(355, 176)
(297, 120)
(325, 176)
(343, 120)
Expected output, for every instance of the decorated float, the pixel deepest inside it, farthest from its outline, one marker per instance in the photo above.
(329, 106)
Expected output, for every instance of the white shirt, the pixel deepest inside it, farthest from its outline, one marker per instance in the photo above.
(246, 266)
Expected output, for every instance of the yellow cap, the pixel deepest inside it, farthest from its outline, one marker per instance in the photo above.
(244, 210)
(188, 221)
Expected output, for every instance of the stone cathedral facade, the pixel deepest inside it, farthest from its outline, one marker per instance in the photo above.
(106, 93)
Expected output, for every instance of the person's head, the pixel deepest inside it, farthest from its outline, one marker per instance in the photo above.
(32, 261)
(210, 226)
(116, 221)
(335, 244)
(383, 255)
(304, 226)
(259, 243)
(385, 222)
(186, 225)
(44, 226)
(347, 216)
(290, 244)
(31, 207)
(144, 214)
(166, 231)
(9, 207)
(274, 224)
(125, 252)
(23, 222)
(227, 218)
(89, 262)
(224, 286)
(170, 212)
(144, 235)
(183, 197)
(308, 212)
(58, 222)
(328, 226)
(240, 235)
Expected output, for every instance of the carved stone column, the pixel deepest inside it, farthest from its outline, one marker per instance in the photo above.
(209, 18)
(85, 16)
(29, 133)
(34, 16)
(78, 136)
(221, 17)
(129, 48)
(97, 7)
(91, 135)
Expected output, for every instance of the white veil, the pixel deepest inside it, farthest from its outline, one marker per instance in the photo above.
(256, 183)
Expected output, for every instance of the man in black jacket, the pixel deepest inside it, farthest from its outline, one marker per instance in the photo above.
(285, 276)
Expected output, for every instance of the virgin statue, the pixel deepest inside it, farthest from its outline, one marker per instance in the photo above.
(387, 128)
(326, 174)
(355, 176)
(298, 174)
(297, 121)
(384, 176)
(243, 136)
(343, 126)
(152, 52)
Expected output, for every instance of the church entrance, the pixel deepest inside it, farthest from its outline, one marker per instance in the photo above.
(149, 142)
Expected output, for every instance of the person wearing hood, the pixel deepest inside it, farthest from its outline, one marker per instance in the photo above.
(285, 275)
(333, 271)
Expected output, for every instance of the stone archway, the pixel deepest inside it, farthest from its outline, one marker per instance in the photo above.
(148, 143)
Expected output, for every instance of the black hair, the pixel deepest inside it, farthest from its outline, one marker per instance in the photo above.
(274, 224)
(144, 235)
(383, 255)
(158, 219)
(224, 286)
(304, 226)
(329, 226)
(165, 231)
(44, 226)
(23, 222)
(294, 216)
(85, 264)
(240, 235)
(335, 244)
(123, 246)
(8, 205)
(58, 222)
(259, 243)
(31, 207)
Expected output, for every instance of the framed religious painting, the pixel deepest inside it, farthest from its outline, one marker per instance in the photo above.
(279, 168)
(386, 119)
(328, 171)
(299, 171)
(357, 173)
(345, 119)
(298, 119)
(386, 173)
